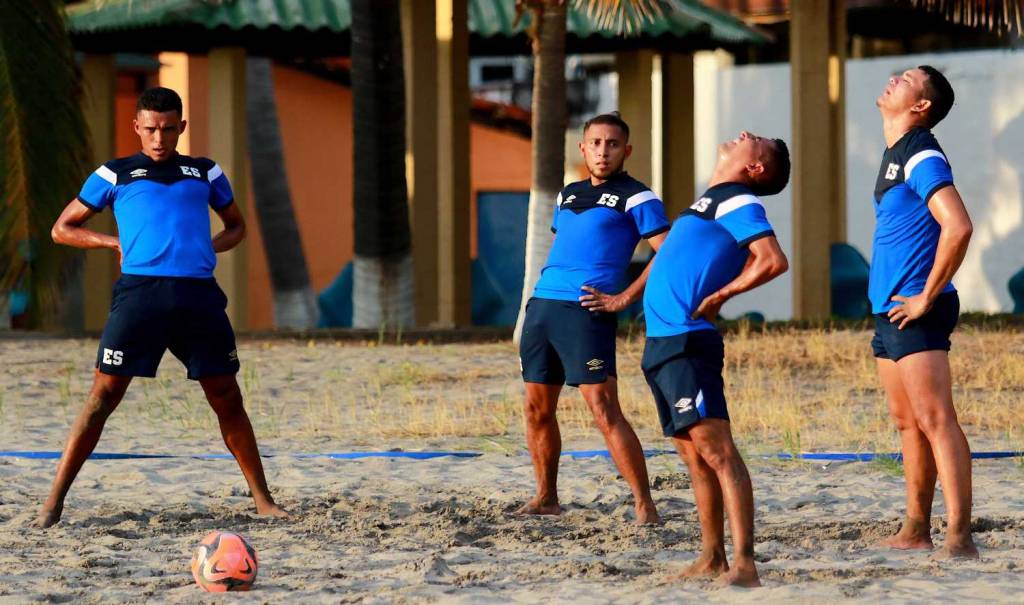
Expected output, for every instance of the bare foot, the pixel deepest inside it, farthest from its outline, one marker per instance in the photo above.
(540, 507)
(47, 517)
(957, 549)
(906, 541)
(744, 576)
(270, 509)
(913, 535)
(647, 515)
(706, 566)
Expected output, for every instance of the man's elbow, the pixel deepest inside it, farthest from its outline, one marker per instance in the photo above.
(780, 264)
(57, 233)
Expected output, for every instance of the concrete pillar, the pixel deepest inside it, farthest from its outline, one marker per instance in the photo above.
(817, 51)
(419, 45)
(98, 105)
(674, 159)
(454, 283)
(635, 69)
(227, 141)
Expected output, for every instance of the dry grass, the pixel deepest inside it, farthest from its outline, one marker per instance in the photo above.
(787, 391)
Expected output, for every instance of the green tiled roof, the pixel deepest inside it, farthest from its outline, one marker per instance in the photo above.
(487, 18)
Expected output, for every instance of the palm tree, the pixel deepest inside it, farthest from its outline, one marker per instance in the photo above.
(547, 36)
(44, 151)
(1005, 16)
(382, 286)
(294, 302)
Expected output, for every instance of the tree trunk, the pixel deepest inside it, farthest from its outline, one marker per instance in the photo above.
(294, 301)
(383, 288)
(548, 149)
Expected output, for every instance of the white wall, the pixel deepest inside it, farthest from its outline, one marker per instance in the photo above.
(983, 137)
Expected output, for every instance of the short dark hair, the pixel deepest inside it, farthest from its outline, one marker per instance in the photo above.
(611, 118)
(159, 99)
(776, 174)
(937, 90)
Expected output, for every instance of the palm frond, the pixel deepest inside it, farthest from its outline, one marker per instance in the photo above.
(624, 16)
(43, 146)
(1004, 16)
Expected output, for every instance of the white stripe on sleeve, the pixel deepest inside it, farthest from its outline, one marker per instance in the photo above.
(640, 198)
(214, 173)
(736, 202)
(919, 157)
(107, 175)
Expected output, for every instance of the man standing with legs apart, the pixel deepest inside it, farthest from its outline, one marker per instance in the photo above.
(569, 330)
(166, 297)
(921, 234)
(721, 246)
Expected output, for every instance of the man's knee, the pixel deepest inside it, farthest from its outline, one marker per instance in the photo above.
(224, 395)
(538, 410)
(936, 419)
(106, 394)
(605, 408)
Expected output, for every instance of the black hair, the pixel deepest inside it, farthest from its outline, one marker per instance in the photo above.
(937, 90)
(159, 99)
(611, 119)
(776, 174)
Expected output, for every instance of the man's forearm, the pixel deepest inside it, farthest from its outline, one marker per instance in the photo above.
(949, 254)
(228, 238)
(753, 275)
(80, 237)
(636, 289)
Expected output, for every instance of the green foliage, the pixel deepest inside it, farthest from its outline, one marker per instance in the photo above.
(43, 147)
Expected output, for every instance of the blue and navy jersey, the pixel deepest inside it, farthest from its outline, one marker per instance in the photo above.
(906, 233)
(161, 209)
(705, 250)
(596, 230)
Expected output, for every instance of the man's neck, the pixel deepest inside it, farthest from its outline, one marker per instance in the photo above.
(894, 127)
(173, 155)
(595, 181)
(724, 175)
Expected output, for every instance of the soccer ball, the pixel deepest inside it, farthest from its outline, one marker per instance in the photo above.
(224, 561)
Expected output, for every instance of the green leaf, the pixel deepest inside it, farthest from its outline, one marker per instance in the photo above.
(43, 147)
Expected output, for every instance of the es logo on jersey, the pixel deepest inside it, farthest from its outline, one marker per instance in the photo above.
(608, 199)
(702, 204)
(112, 358)
(190, 171)
(892, 171)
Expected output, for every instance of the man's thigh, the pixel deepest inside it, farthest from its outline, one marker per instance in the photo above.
(925, 376)
(538, 360)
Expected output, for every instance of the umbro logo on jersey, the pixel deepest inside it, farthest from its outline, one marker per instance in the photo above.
(892, 171)
(568, 199)
(685, 404)
(138, 172)
(595, 364)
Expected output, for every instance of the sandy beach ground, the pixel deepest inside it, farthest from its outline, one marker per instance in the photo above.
(441, 530)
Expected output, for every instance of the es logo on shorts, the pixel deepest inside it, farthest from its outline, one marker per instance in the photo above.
(112, 358)
(595, 365)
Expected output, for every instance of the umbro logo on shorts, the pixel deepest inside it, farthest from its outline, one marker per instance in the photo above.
(685, 404)
(233, 355)
(595, 364)
(138, 172)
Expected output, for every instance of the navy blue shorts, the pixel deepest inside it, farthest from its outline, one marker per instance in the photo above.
(685, 376)
(149, 315)
(564, 343)
(928, 333)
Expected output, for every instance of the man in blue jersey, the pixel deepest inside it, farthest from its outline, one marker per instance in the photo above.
(569, 329)
(721, 246)
(166, 297)
(921, 235)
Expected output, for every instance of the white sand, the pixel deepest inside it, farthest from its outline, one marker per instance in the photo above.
(392, 530)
